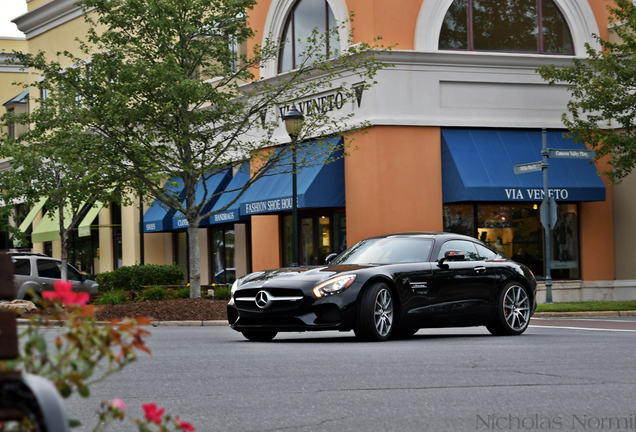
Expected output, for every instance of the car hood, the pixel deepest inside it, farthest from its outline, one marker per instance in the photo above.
(294, 277)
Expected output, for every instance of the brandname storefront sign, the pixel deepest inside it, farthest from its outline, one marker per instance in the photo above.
(267, 206)
(535, 194)
(320, 104)
(225, 217)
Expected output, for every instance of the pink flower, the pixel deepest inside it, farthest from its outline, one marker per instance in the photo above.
(118, 404)
(64, 293)
(184, 425)
(152, 414)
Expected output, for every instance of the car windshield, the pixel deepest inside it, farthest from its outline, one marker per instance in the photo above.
(387, 251)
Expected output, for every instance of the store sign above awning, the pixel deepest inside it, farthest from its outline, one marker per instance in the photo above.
(319, 185)
(478, 165)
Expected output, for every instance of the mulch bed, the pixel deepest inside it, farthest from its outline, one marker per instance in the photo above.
(193, 309)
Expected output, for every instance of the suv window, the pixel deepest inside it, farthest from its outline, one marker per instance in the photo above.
(22, 267)
(72, 274)
(49, 269)
(468, 248)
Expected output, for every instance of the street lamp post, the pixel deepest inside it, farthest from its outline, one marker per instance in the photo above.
(293, 124)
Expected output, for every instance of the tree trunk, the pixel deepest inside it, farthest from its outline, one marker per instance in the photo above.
(64, 244)
(195, 257)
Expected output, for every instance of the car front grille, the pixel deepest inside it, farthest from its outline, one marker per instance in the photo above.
(278, 300)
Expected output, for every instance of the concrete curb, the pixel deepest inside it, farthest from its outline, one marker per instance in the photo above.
(591, 314)
(24, 322)
(189, 323)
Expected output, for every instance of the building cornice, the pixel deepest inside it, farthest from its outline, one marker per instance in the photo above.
(47, 16)
(6, 66)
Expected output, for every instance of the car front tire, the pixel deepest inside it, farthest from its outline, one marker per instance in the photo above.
(513, 311)
(260, 336)
(374, 321)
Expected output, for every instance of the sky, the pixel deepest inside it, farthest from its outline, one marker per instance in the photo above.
(10, 9)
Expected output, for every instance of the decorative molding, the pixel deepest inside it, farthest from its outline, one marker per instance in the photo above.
(6, 67)
(47, 17)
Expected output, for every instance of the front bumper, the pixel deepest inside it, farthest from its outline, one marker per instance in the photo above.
(335, 312)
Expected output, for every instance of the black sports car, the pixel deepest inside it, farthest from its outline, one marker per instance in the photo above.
(389, 286)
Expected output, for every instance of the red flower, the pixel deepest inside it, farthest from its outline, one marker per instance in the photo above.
(152, 414)
(184, 425)
(64, 293)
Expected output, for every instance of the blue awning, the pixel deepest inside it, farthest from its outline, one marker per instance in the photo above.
(158, 218)
(321, 185)
(478, 165)
(233, 188)
(215, 184)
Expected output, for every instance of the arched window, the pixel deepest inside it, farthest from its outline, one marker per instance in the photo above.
(304, 17)
(526, 26)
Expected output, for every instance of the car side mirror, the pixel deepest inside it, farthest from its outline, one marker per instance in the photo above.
(451, 255)
(330, 257)
(83, 277)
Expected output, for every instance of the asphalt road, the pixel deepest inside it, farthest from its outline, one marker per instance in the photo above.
(560, 375)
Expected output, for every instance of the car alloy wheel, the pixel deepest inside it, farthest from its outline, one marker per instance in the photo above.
(513, 311)
(375, 314)
(517, 308)
(383, 312)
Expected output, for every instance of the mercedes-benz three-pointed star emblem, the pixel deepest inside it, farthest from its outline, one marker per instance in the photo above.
(262, 299)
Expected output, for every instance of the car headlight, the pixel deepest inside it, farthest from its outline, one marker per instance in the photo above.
(234, 287)
(334, 286)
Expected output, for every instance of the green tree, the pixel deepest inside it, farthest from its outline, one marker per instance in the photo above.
(54, 160)
(164, 90)
(601, 112)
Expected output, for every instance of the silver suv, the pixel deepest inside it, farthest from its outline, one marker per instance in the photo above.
(39, 272)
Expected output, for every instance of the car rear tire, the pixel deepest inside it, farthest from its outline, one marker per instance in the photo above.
(374, 321)
(260, 336)
(513, 311)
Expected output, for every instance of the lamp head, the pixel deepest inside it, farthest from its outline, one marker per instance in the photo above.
(293, 121)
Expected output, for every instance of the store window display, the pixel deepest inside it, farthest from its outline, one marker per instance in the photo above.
(515, 231)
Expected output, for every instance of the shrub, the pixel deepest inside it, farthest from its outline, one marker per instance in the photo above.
(222, 294)
(181, 293)
(154, 293)
(130, 278)
(113, 298)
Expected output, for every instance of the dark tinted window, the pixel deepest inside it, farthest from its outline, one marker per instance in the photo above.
(73, 275)
(505, 25)
(467, 247)
(49, 269)
(387, 251)
(22, 267)
(485, 253)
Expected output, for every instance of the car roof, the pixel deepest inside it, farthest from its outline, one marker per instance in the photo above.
(426, 234)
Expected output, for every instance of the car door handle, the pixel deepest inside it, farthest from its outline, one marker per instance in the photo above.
(480, 269)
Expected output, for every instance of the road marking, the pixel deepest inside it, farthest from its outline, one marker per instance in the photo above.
(585, 324)
(581, 328)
